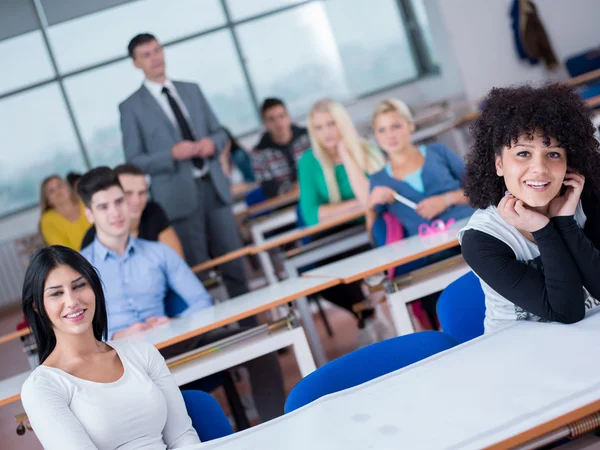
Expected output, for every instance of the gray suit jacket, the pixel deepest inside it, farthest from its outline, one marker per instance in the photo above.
(148, 136)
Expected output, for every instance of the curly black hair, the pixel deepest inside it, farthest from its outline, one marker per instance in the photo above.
(555, 110)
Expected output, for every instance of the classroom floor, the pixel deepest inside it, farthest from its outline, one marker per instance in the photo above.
(14, 361)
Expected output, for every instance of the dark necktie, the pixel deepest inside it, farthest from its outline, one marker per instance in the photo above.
(184, 127)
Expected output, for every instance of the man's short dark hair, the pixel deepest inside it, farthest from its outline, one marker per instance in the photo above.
(128, 169)
(73, 178)
(96, 180)
(270, 103)
(140, 39)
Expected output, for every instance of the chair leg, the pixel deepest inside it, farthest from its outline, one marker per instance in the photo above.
(235, 403)
(324, 317)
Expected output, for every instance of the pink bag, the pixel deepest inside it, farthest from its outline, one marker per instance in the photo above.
(394, 231)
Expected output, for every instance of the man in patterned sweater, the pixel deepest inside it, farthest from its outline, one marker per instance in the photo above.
(279, 149)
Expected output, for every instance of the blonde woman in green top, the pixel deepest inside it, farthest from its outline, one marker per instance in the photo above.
(333, 181)
(333, 173)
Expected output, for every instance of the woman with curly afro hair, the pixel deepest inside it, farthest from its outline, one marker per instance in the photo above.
(534, 175)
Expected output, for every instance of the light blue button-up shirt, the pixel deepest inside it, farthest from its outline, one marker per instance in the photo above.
(136, 283)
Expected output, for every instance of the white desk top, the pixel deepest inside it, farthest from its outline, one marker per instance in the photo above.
(470, 397)
(373, 261)
(10, 388)
(224, 313)
(233, 310)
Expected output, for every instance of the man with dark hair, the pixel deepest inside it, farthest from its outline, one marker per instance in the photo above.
(170, 132)
(139, 275)
(140, 39)
(279, 149)
(73, 179)
(147, 219)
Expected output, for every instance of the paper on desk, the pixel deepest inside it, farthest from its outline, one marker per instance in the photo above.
(405, 201)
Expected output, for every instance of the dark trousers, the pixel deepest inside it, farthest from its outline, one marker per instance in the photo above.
(211, 231)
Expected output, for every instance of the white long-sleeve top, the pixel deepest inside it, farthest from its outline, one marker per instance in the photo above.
(144, 409)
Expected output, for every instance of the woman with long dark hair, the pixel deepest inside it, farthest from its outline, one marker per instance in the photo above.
(87, 393)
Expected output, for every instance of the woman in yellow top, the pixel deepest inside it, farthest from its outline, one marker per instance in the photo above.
(63, 221)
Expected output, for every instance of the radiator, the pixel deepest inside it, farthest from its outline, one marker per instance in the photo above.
(14, 256)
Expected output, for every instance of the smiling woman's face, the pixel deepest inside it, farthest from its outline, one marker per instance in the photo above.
(532, 171)
(69, 301)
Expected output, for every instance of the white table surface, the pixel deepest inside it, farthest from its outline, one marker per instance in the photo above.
(206, 319)
(381, 258)
(233, 309)
(469, 397)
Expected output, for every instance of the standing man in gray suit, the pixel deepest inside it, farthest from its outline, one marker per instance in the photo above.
(170, 132)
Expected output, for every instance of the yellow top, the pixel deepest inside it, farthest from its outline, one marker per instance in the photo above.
(58, 230)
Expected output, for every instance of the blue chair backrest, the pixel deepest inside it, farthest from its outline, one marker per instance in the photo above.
(208, 419)
(255, 196)
(174, 304)
(366, 364)
(583, 62)
(461, 308)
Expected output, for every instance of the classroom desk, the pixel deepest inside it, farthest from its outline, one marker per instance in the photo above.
(262, 245)
(221, 314)
(244, 251)
(379, 259)
(232, 310)
(269, 204)
(498, 391)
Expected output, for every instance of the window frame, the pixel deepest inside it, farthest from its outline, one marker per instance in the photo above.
(421, 56)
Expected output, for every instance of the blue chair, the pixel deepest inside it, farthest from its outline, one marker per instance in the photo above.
(584, 62)
(461, 308)
(366, 364)
(174, 305)
(208, 419)
(255, 196)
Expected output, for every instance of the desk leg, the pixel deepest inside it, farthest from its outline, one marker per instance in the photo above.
(267, 267)
(308, 322)
(311, 331)
(304, 357)
(400, 315)
(263, 257)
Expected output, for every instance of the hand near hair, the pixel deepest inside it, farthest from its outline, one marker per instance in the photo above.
(515, 213)
(133, 329)
(565, 205)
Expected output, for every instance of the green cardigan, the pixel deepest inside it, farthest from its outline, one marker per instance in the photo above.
(313, 189)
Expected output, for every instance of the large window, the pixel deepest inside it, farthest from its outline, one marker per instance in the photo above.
(26, 61)
(37, 140)
(104, 35)
(68, 70)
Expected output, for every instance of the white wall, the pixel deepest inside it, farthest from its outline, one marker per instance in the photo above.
(480, 35)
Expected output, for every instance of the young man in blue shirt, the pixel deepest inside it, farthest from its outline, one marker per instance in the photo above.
(138, 275)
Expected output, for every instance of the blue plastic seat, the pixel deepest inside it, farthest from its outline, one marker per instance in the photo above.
(208, 419)
(461, 308)
(366, 364)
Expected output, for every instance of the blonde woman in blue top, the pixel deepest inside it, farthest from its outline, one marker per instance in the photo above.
(429, 175)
